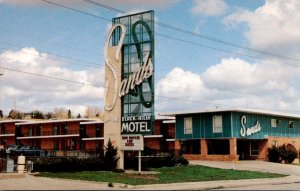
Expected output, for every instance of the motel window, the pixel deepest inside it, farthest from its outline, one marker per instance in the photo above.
(188, 125)
(66, 129)
(41, 130)
(97, 130)
(55, 130)
(217, 124)
(274, 122)
(2, 129)
(253, 148)
(55, 144)
(291, 124)
(30, 132)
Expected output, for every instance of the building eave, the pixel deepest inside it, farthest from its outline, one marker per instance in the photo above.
(93, 138)
(255, 111)
(48, 136)
(54, 121)
(7, 135)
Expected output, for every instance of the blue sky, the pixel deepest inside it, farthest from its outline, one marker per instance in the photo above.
(41, 38)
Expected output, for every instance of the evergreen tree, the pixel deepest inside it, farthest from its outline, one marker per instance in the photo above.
(78, 116)
(110, 157)
(69, 114)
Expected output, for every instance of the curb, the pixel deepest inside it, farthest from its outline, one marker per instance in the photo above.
(223, 184)
(12, 175)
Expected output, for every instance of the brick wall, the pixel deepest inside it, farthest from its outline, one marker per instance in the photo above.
(157, 127)
(8, 128)
(91, 130)
(284, 140)
(91, 145)
(152, 143)
(73, 127)
(171, 130)
(47, 144)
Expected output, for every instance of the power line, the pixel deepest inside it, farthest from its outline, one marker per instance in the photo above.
(161, 96)
(105, 6)
(50, 77)
(43, 40)
(181, 30)
(56, 56)
(85, 13)
(57, 59)
(197, 34)
(219, 49)
(223, 50)
(218, 104)
(80, 12)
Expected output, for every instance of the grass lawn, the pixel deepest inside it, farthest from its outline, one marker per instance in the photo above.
(190, 173)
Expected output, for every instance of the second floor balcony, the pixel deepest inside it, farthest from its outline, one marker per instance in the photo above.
(47, 134)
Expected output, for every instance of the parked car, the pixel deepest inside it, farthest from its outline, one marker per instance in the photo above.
(13, 148)
(26, 150)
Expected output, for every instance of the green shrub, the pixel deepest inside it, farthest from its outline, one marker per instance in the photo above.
(285, 152)
(180, 160)
(69, 165)
(118, 170)
(288, 153)
(274, 154)
(154, 162)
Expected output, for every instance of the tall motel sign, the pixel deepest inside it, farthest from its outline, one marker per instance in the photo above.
(129, 80)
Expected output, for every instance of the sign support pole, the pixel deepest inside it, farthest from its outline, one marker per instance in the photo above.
(140, 161)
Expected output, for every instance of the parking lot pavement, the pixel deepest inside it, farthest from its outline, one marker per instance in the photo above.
(252, 165)
(30, 182)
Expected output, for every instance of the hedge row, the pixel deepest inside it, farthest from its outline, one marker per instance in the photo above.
(69, 165)
(286, 152)
(75, 165)
(154, 162)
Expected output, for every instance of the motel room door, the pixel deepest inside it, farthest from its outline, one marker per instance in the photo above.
(247, 149)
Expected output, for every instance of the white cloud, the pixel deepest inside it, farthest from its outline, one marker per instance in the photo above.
(178, 81)
(273, 26)
(237, 73)
(209, 7)
(231, 83)
(33, 92)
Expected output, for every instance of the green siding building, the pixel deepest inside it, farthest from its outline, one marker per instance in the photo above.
(234, 134)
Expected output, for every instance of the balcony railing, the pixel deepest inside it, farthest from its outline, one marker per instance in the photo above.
(49, 133)
(74, 153)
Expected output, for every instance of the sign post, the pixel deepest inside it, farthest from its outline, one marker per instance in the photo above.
(140, 161)
(133, 143)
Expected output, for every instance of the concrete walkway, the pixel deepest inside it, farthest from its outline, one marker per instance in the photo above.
(224, 184)
(29, 182)
(252, 165)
